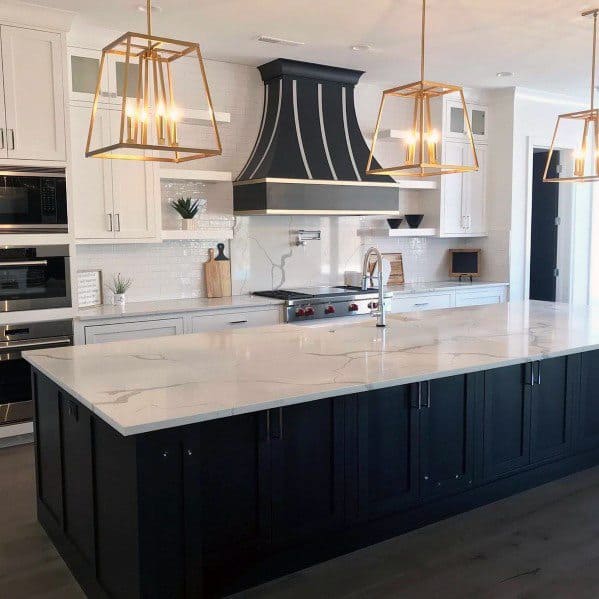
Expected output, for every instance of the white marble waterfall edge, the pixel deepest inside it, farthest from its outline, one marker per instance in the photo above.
(151, 384)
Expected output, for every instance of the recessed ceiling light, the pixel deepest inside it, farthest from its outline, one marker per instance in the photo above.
(503, 74)
(155, 8)
(362, 47)
(278, 40)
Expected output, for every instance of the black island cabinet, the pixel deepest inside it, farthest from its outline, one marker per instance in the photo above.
(211, 508)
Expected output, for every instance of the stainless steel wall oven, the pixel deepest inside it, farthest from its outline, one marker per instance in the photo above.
(33, 278)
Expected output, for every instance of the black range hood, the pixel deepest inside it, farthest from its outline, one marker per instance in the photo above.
(310, 156)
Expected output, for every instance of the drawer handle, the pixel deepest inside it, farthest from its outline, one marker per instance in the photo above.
(238, 322)
(421, 304)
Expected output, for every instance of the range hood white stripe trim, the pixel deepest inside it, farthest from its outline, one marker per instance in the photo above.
(255, 148)
(298, 131)
(325, 143)
(349, 148)
(274, 130)
(323, 182)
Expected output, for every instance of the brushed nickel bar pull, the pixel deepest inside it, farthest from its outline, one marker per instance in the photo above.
(238, 322)
(25, 263)
(539, 372)
(109, 225)
(117, 222)
(40, 342)
(12, 137)
(2, 136)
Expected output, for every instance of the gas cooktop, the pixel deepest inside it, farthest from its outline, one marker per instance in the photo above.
(307, 303)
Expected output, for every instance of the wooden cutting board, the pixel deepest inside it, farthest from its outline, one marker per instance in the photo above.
(397, 274)
(218, 276)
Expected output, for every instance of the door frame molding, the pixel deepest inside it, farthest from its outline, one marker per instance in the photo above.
(567, 199)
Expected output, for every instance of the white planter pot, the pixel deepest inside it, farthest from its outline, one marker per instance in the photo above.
(187, 224)
(119, 299)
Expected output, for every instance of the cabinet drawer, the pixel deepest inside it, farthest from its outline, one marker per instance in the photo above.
(429, 301)
(479, 298)
(234, 320)
(123, 331)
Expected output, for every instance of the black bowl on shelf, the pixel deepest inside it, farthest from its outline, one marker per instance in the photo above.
(394, 222)
(414, 220)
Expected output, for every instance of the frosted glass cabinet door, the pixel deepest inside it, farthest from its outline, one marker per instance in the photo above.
(91, 178)
(33, 94)
(83, 68)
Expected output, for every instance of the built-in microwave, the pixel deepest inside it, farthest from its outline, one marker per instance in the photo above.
(34, 278)
(33, 200)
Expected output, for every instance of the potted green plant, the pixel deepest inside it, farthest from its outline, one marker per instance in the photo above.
(187, 209)
(119, 286)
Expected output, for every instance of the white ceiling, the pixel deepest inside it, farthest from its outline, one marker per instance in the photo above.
(546, 43)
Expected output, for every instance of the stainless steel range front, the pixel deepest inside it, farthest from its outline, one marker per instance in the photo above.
(312, 303)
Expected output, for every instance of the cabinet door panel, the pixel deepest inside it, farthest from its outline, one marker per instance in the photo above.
(122, 331)
(507, 419)
(233, 475)
(78, 479)
(387, 451)
(475, 201)
(49, 453)
(447, 435)
(134, 188)
(33, 94)
(551, 419)
(587, 433)
(307, 469)
(452, 191)
(91, 178)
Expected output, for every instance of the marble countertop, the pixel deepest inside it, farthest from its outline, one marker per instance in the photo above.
(245, 301)
(151, 384)
(176, 305)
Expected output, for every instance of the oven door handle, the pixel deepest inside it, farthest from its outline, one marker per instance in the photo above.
(25, 263)
(12, 345)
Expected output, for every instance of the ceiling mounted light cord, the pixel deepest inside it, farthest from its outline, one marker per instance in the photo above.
(420, 138)
(583, 166)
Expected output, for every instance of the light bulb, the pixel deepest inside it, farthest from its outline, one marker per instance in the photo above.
(174, 114)
(433, 137)
(161, 110)
(579, 160)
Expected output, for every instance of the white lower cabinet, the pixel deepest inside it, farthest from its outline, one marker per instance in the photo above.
(429, 301)
(492, 295)
(124, 331)
(234, 320)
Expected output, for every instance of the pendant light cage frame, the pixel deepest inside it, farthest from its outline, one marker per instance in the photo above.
(422, 141)
(586, 164)
(148, 126)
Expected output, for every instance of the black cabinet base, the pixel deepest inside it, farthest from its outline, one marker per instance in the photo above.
(361, 535)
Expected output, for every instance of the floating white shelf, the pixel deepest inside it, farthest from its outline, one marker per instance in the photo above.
(416, 184)
(216, 234)
(195, 175)
(421, 232)
(392, 134)
(192, 116)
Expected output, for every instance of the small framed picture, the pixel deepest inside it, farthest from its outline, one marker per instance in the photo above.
(89, 288)
(464, 263)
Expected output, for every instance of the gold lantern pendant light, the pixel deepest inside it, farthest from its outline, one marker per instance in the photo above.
(584, 166)
(149, 117)
(421, 141)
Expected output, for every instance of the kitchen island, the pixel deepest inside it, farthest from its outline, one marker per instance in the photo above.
(202, 464)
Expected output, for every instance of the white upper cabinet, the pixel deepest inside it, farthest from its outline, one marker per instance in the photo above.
(463, 195)
(455, 122)
(113, 199)
(33, 120)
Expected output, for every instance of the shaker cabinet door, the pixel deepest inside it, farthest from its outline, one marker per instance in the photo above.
(587, 426)
(447, 435)
(33, 94)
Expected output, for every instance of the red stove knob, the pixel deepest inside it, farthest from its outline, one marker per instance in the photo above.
(373, 305)
(329, 310)
(309, 311)
(353, 307)
(300, 312)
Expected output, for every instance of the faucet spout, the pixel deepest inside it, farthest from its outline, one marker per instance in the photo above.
(379, 311)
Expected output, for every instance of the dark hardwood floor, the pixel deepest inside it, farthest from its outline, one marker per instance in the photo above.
(537, 545)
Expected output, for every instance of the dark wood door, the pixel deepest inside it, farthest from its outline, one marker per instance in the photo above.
(386, 444)
(507, 400)
(552, 408)
(48, 446)
(587, 427)
(78, 476)
(307, 449)
(447, 434)
(543, 233)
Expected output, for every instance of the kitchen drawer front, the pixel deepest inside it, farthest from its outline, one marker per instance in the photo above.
(234, 320)
(124, 331)
(429, 301)
(494, 295)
